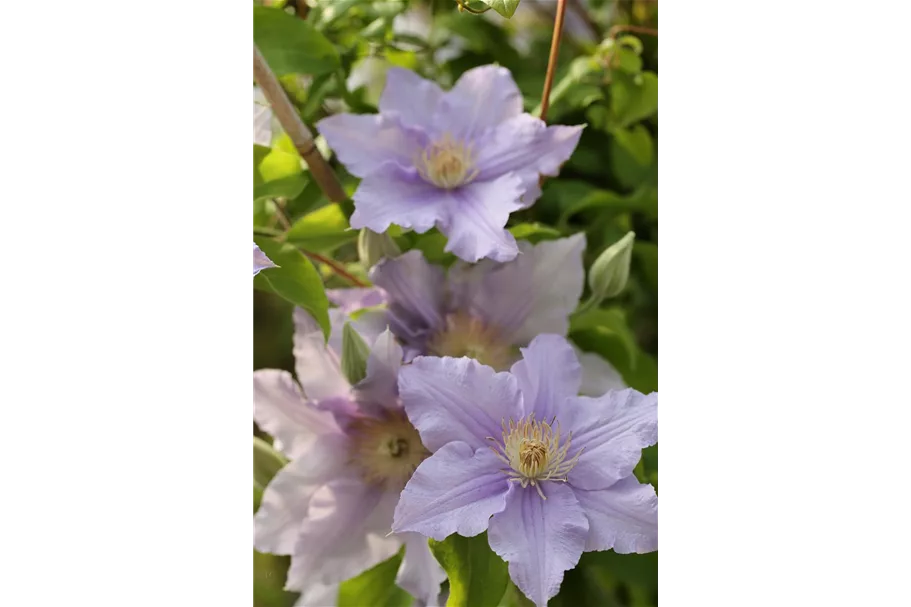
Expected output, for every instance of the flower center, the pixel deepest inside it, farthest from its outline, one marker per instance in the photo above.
(533, 452)
(465, 335)
(447, 163)
(386, 451)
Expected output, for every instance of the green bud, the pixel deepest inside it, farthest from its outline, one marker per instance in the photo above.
(372, 247)
(609, 273)
(266, 464)
(355, 352)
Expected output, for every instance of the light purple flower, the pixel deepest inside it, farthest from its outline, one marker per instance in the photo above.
(260, 261)
(462, 160)
(485, 311)
(351, 449)
(552, 469)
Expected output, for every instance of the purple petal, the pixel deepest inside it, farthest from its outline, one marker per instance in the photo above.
(415, 291)
(344, 534)
(623, 517)
(364, 142)
(286, 499)
(410, 96)
(379, 389)
(318, 595)
(457, 399)
(476, 225)
(352, 300)
(548, 374)
(598, 376)
(612, 429)
(260, 261)
(526, 146)
(533, 294)
(398, 196)
(280, 409)
(455, 490)
(540, 539)
(420, 574)
(262, 119)
(481, 99)
(316, 366)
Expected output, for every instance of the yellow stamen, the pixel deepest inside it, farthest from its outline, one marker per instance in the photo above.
(533, 452)
(447, 163)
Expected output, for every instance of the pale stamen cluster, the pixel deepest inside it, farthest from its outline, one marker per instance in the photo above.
(386, 451)
(533, 452)
(465, 335)
(447, 163)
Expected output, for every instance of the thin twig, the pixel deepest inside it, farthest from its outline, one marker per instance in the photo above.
(637, 29)
(552, 60)
(335, 268)
(300, 135)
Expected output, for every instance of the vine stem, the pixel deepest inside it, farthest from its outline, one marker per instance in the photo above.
(335, 268)
(552, 60)
(300, 135)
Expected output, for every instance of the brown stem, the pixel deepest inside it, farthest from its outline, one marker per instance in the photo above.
(335, 268)
(637, 29)
(552, 60)
(301, 8)
(287, 116)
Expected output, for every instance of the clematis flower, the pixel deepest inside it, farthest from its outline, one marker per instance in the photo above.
(351, 449)
(260, 261)
(485, 311)
(462, 160)
(547, 473)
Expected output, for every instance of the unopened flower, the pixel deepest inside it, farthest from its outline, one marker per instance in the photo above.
(547, 473)
(352, 449)
(260, 261)
(488, 310)
(462, 160)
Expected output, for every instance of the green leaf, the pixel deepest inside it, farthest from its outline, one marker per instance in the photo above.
(610, 325)
(322, 230)
(291, 45)
(276, 173)
(534, 232)
(477, 576)
(432, 245)
(506, 8)
(266, 462)
(355, 353)
(646, 254)
(603, 200)
(633, 97)
(269, 580)
(637, 142)
(295, 280)
(627, 61)
(375, 587)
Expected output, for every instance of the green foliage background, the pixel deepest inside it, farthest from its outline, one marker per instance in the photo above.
(334, 60)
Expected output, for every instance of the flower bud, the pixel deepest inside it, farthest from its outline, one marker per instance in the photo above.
(371, 247)
(608, 275)
(355, 353)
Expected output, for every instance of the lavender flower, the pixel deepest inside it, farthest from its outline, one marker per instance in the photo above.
(555, 475)
(352, 449)
(484, 311)
(462, 160)
(260, 261)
